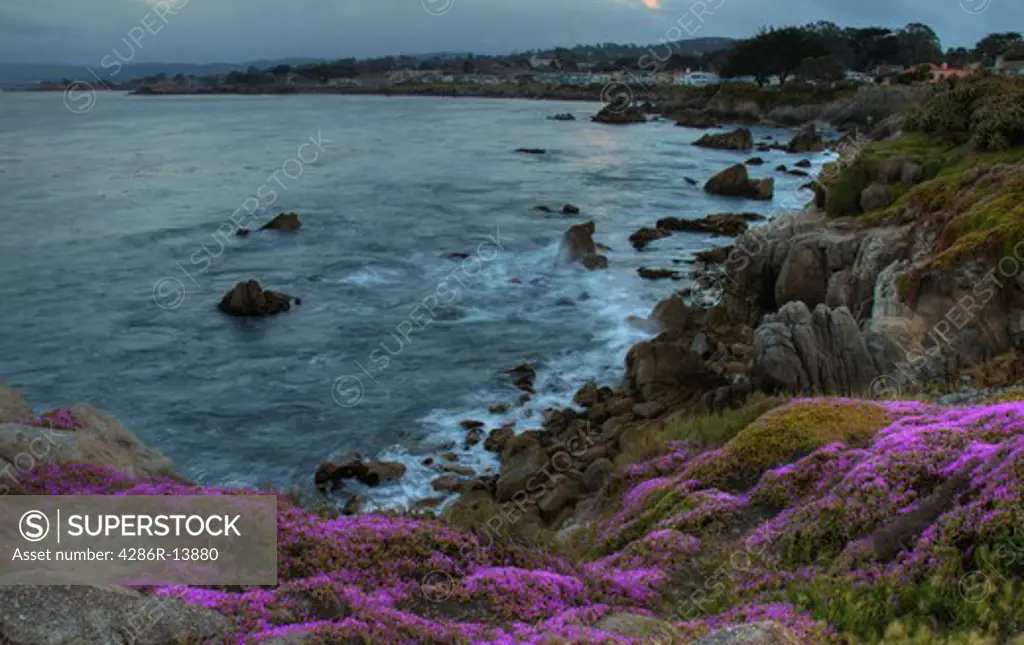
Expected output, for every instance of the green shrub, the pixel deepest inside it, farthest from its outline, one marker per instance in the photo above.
(989, 112)
(843, 194)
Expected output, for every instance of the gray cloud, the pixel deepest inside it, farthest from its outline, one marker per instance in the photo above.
(236, 30)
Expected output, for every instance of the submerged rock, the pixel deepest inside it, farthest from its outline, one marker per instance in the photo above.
(657, 274)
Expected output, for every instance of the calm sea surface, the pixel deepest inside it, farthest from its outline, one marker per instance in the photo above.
(112, 266)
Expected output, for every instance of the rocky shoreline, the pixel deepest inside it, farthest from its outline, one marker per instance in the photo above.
(760, 476)
(700, 107)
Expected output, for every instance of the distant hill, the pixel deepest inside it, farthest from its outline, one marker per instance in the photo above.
(14, 74)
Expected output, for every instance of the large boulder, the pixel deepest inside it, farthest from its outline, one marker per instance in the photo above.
(248, 299)
(579, 246)
(63, 615)
(99, 440)
(824, 352)
(673, 314)
(522, 457)
(803, 276)
(13, 406)
(735, 182)
(284, 222)
(739, 139)
(654, 368)
(875, 197)
(641, 629)
(806, 140)
(763, 633)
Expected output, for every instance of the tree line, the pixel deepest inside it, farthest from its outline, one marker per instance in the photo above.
(823, 51)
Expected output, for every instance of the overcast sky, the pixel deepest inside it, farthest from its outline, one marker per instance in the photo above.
(84, 31)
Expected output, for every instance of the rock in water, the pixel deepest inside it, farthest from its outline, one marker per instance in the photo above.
(806, 140)
(284, 222)
(352, 466)
(532, 151)
(645, 236)
(735, 182)
(570, 209)
(731, 224)
(739, 139)
(617, 115)
(578, 244)
(248, 299)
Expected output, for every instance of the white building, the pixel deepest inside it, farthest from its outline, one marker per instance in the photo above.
(542, 62)
(698, 79)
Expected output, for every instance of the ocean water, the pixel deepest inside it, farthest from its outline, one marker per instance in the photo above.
(112, 267)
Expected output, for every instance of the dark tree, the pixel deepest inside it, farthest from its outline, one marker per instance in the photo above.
(994, 45)
(747, 59)
(872, 46)
(919, 44)
(958, 57)
(821, 69)
(774, 51)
